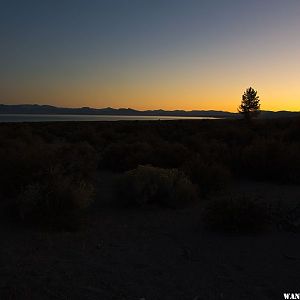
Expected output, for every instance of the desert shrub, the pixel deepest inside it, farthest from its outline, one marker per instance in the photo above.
(25, 162)
(269, 159)
(22, 163)
(231, 134)
(257, 157)
(147, 184)
(169, 155)
(57, 201)
(235, 213)
(285, 214)
(45, 182)
(292, 132)
(209, 176)
(79, 160)
(208, 149)
(124, 156)
(81, 133)
(121, 156)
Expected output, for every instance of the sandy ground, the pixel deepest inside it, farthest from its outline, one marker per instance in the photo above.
(150, 254)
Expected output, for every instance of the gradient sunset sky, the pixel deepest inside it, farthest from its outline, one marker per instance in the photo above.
(150, 54)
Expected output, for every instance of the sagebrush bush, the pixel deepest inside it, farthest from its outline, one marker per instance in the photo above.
(79, 160)
(24, 162)
(169, 155)
(58, 201)
(285, 214)
(209, 176)
(122, 156)
(235, 213)
(269, 159)
(147, 184)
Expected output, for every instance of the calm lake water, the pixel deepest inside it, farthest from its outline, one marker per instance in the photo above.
(4, 118)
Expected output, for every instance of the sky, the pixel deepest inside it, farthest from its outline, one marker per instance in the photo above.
(150, 54)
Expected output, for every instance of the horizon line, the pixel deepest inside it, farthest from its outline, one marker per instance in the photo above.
(142, 110)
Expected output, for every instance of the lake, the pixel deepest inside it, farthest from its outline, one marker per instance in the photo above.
(5, 118)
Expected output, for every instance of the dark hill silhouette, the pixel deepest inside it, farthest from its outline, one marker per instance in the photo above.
(48, 109)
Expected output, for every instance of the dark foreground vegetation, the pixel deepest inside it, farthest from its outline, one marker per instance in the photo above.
(150, 210)
(49, 170)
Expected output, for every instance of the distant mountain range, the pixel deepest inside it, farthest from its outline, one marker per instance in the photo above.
(53, 110)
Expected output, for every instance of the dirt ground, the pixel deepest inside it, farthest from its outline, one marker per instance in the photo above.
(150, 254)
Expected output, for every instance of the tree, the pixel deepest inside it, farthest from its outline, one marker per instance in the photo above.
(250, 106)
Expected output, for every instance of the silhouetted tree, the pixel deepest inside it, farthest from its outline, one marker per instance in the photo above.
(250, 104)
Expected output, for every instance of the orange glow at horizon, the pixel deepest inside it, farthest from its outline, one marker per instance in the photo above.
(187, 81)
(188, 96)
